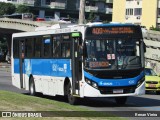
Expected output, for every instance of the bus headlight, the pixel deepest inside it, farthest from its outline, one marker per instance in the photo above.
(140, 82)
(91, 83)
(88, 81)
(94, 85)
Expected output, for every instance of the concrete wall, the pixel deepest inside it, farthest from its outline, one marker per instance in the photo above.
(22, 25)
(118, 11)
(149, 13)
(152, 55)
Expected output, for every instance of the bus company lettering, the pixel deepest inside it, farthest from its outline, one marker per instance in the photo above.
(105, 83)
(98, 64)
(56, 67)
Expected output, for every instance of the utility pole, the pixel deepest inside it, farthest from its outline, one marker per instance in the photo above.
(82, 12)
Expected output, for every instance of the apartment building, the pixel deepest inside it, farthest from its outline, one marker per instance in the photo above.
(102, 9)
(62, 8)
(142, 12)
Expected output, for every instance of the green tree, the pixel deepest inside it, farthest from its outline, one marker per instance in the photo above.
(3, 44)
(37, 2)
(91, 17)
(7, 8)
(22, 9)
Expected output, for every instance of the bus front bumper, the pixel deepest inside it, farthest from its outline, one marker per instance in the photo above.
(89, 91)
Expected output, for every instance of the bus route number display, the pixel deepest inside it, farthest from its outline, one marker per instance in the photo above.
(113, 30)
(98, 64)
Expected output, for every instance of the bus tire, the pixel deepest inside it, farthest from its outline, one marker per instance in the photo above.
(121, 100)
(32, 90)
(71, 99)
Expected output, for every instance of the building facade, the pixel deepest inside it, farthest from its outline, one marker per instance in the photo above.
(25, 2)
(101, 9)
(142, 12)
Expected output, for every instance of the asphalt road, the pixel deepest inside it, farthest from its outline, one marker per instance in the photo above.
(6, 83)
(149, 103)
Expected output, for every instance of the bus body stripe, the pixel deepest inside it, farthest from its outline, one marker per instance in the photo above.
(114, 82)
(45, 67)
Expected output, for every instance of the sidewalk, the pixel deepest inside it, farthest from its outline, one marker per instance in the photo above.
(4, 65)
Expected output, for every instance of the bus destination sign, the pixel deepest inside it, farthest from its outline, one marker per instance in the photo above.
(112, 30)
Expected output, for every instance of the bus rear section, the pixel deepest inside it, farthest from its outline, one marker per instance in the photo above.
(47, 63)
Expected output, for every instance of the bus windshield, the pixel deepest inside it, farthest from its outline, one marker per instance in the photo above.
(111, 54)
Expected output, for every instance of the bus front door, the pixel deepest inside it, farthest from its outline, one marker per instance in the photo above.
(76, 64)
(21, 62)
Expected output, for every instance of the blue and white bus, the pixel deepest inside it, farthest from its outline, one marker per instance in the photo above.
(104, 60)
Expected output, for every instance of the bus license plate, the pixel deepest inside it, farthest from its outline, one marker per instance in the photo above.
(151, 85)
(118, 91)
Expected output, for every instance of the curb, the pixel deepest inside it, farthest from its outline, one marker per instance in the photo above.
(4, 66)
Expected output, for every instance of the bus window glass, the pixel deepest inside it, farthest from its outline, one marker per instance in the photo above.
(29, 48)
(56, 46)
(126, 47)
(46, 46)
(37, 47)
(111, 53)
(15, 48)
(65, 47)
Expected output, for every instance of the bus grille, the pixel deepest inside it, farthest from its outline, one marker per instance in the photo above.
(109, 90)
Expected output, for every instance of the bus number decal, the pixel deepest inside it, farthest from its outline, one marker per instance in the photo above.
(56, 67)
(98, 64)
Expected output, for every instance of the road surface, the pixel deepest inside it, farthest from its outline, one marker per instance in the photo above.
(149, 102)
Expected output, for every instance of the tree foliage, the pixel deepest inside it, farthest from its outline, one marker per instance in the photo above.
(3, 44)
(7, 8)
(22, 9)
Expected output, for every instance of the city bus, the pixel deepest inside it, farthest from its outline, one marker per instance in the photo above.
(105, 60)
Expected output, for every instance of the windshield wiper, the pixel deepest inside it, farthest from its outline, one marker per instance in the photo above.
(133, 59)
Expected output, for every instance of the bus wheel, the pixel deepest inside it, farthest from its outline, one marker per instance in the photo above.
(121, 100)
(71, 99)
(32, 87)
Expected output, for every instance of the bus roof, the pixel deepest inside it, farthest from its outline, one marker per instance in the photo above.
(49, 31)
(115, 24)
(65, 28)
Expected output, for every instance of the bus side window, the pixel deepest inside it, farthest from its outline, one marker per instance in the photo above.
(29, 48)
(37, 47)
(56, 46)
(65, 49)
(46, 46)
(15, 48)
